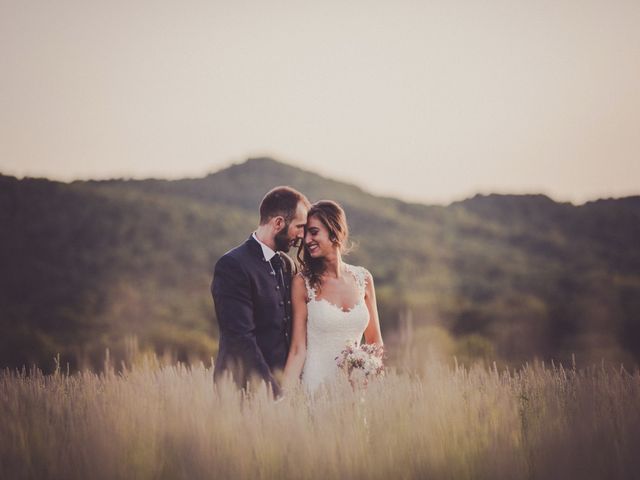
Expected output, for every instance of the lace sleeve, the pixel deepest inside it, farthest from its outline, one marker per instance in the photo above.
(366, 275)
(361, 274)
(311, 293)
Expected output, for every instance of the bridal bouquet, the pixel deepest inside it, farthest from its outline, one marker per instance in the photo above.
(361, 362)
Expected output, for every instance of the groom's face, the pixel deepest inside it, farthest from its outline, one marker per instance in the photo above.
(293, 232)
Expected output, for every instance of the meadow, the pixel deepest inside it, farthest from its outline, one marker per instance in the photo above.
(155, 419)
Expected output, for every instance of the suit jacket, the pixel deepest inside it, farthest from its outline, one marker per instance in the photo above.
(254, 315)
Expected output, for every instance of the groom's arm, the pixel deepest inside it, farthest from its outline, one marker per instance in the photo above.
(231, 290)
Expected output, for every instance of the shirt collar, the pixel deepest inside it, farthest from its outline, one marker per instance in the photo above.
(266, 250)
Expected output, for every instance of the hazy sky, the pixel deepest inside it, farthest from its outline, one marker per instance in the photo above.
(424, 100)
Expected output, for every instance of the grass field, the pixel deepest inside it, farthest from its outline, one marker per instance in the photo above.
(167, 421)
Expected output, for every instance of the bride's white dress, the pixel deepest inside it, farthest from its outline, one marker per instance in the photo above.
(329, 328)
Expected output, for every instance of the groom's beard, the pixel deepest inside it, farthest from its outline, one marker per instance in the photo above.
(282, 240)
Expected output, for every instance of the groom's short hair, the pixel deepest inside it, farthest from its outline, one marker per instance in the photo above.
(281, 201)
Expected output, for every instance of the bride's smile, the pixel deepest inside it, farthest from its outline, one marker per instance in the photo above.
(316, 239)
(313, 248)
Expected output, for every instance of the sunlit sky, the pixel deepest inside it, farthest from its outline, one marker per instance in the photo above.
(428, 101)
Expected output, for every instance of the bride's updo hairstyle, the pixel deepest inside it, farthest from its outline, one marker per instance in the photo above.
(334, 219)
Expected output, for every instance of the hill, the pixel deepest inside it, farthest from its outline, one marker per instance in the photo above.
(89, 264)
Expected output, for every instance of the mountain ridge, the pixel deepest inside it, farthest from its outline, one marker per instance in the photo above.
(271, 165)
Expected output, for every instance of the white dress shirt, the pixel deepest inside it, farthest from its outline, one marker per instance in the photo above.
(266, 250)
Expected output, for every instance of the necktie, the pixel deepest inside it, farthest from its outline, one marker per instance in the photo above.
(278, 268)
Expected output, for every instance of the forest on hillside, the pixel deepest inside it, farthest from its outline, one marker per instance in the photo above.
(93, 265)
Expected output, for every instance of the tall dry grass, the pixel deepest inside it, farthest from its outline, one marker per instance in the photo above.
(168, 421)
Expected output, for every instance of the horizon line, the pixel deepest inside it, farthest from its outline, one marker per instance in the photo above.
(228, 165)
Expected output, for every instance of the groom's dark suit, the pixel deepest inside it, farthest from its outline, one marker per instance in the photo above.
(253, 307)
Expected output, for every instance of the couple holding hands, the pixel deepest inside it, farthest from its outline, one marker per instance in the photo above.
(283, 321)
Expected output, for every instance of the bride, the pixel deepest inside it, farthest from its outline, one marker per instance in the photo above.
(333, 302)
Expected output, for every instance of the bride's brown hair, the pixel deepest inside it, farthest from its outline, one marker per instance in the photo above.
(334, 219)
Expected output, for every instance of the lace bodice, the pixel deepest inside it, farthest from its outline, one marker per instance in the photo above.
(329, 328)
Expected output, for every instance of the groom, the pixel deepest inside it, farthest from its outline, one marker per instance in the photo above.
(251, 290)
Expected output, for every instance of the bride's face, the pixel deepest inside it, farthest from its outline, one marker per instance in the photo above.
(316, 239)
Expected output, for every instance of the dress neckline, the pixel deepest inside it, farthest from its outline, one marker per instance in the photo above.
(338, 307)
(352, 270)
